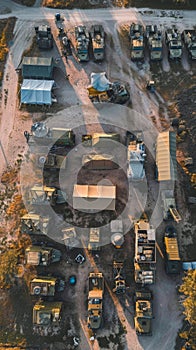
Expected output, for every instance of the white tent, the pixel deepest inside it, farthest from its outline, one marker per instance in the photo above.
(36, 91)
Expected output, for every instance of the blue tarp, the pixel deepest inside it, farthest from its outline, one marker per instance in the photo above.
(100, 82)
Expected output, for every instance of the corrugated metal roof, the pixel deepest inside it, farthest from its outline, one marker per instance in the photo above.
(40, 61)
(166, 156)
(171, 246)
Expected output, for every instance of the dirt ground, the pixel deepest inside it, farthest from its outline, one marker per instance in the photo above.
(174, 95)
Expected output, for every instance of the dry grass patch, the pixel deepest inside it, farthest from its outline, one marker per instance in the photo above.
(6, 35)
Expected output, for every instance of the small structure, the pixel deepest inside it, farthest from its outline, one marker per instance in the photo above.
(51, 161)
(166, 156)
(70, 237)
(116, 228)
(94, 239)
(135, 156)
(34, 224)
(44, 256)
(93, 197)
(44, 37)
(169, 206)
(145, 252)
(37, 68)
(118, 278)
(173, 263)
(42, 194)
(38, 92)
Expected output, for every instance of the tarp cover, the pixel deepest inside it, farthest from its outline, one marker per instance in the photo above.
(100, 82)
(36, 91)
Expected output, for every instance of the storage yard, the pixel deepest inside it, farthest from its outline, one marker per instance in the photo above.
(98, 177)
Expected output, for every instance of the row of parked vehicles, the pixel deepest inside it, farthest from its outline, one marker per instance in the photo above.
(152, 38)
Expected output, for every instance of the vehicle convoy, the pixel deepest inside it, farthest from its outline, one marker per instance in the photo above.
(82, 43)
(135, 156)
(43, 135)
(44, 37)
(97, 35)
(102, 90)
(173, 263)
(154, 42)
(41, 256)
(145, 252)
(174, 43)
(95, 300)
(136, 36)
(143, 312)
(189, 37)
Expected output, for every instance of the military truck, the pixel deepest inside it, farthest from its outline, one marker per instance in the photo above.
(43, 135)
(51, 161)
(135, 156)
(44, 37)
(82, 43)
(154, 42)
(145, 252)
(95, 300)
(94, 239)
(34, 224)
(173, 263)
(102, 90)
(118, 276)
(44, 195)
(174, 43)
(189, 38)
(47, 314)
(169, 206)
(100, 139)
(41, 256)
(97, 35)
(143, 312)
(136, 36)
(43, 286)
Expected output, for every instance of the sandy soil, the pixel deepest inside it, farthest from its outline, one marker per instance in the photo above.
(73, 92)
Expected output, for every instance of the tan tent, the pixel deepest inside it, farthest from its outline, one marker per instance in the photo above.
(99, 161)
(166, 156)
(93, 197)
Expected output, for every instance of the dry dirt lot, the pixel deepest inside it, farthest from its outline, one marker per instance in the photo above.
(75, 110)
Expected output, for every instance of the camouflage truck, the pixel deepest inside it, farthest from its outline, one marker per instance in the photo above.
(47, 314)
(41, 256)
(154, 42)
(189, 38)
(43, 135)
(82, 43)
(169, 206)
(95, 300)
(44, 286)
(174, 43)
(34, 224)
(172, 257)
(136, 36)
(97, 35)
(44, 37)
(51, 161)
(143, 312)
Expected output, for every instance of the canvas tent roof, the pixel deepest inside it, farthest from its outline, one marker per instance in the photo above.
(100, 82)
(36, 91)
(93, 197)
(166, 156)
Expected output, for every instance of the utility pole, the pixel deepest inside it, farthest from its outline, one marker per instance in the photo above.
(2, 149)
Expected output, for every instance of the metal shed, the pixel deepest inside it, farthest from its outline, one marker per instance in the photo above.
(166, 156)
(37, 67)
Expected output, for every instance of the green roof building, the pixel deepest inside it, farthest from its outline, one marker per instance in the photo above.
(37, 68)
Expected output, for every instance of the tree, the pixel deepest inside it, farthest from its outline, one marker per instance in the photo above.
(188, 288)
